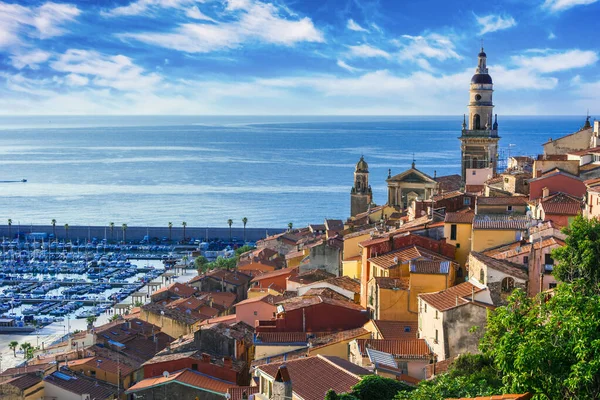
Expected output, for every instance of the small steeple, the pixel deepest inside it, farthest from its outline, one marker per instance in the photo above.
(464, 124)
(587, 124)
(495, 122)
(389, 173)
(413, 162)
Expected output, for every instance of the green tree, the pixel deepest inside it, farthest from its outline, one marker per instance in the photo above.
(10, 228)
(113, 317)
(54, 227)
(112, 229)
(230, 222)
(580, 258)
(91, 319)
(372, 387)
(66, 231)
(290, 226)
(124, 229)
(25, 347)
(201, 263)
(184, 224)
(13, 346)
(244, 221)
(138, 304)
(550, 347)
(170, 229)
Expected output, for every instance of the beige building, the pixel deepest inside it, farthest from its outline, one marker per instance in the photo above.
(500, 276)
(584, 138)
(409, 186)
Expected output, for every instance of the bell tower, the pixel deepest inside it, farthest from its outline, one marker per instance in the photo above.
(361, 195)
(479, 139)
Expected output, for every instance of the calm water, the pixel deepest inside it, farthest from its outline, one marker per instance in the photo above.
(205, 170)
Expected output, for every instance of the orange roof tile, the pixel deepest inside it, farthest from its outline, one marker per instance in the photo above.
(397, 329)
(276, 273)
(502, 201)
(187, 377)
(459, 217)
(452, 297)
(404, 255)
(400, 348)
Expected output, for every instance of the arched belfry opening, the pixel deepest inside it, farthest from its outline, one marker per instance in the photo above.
(476, 121)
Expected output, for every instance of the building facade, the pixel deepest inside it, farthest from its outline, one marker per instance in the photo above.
(479, 139)
(361, 195)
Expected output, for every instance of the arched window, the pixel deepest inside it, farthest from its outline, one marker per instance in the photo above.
(476, 121)
(475, 163)
(508, 284)
(481, 275)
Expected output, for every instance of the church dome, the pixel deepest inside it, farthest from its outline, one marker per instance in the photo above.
(482, 53)
(481, 79)
(362, 165)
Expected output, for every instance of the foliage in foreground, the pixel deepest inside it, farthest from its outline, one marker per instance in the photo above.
(371, 387)
(203, 265)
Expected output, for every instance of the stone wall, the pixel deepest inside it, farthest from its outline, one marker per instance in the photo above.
(458, 323)
(325, 257)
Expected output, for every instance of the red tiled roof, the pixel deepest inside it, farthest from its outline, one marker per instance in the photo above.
(399, 348)
(23, 382)
(561, 204)
(474, 188)
(314, 275)
(101, 363)
(186, 376)
(403, 255)
(312, 377)
(326, 292)
(345, 282)
(585, 151)
(234, 278)
(237, 392)
(512, 269)
(392, 283)
(431, 267)
(281, 337)
(80, 385)
(397, 329)
(501, 222)
(452, 297)
(273, 274)
(299, 302)
(459, 217)
(178, 289)
(327, 340)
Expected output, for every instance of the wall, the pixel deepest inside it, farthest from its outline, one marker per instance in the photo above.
(257, 310)
(576, 141)
(170, 327)
(427, 283)
(462, 242)
(541, 166)
(390, 304)
(177, 391)
(478, 176)
(339, 349)
(352, 268)
(503, 209)
(429, 322)
(351, 248)
(457, 329)
(557, 183)
(483, 239)
(493, 280)
(558, 219)
(593, 205)
(137, 233)
(325, 257)
(280, 280)
(270, 350)
(305, 288)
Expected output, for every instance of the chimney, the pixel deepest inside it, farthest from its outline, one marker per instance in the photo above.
(205, 358)
(282, 386)
(545, 192)
(473, 294)
(227, 362)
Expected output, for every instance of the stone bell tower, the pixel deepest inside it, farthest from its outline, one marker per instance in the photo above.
(479, 139)
(361, 195)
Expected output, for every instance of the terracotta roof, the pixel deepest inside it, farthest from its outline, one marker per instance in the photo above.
(554, 172)
(334, 225)
(273, 274)
(561, 204)
(459, 217)
(439, 367)
(474, 188)
(404, 255)
(585, 151)
(502, 201)
(327, 340)
(24, 381)
(267, 298)
(222, 300)
(326, 292)
(223, 319)
(449, 183)
(311, 276)
(431, 267)
(188, 317)
(15, 371)
(80, 385)
(345, 282)
(281, 337)
(512, 269)
(178, 289)
(238, 392)
(399, 348)
(312, 377)
(233, 278)
(187, 377)
(519, 248)
(501, 222)
(392, 283)
(101, 363)
(447, 195)
(452, 297)
(300, 302)
(397, 329)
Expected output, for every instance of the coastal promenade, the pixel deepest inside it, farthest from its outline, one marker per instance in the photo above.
(137, 233)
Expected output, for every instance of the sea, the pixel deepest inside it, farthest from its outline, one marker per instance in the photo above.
(150, 170)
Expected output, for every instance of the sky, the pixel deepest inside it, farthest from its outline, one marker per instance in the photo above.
(296, 57)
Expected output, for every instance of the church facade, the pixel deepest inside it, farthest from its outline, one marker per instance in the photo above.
(479, 138)
(361, 195)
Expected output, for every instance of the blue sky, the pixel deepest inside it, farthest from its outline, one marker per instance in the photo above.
(300, 57)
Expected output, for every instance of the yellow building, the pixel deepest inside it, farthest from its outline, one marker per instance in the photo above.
(107, 370)
(337, 344)
(495, 230)
(24, 387)
(457, 231)
(352, 253)
(398, 277)
(294, 258)
(172, 321)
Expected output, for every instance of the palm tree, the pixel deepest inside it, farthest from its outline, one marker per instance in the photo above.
(54, 228)
(25, 347)
(124, 228)
(230, 222)
(184, 224)
(112, 228)
(170, 229)
(13, 346)
(9, 228)
(91, 319)
(244, 221)
(67, 231)
(290, 225)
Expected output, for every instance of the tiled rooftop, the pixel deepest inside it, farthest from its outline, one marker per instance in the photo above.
(502, 222)
(80, 385)
(23, 382)
(452, 297)
(397, 329)
(509, 268)
(299, 302)
(186, 377)
(311, 276)
(502, 201)
(459, 217)
(404, 255)
(392, 283)
(399, 348)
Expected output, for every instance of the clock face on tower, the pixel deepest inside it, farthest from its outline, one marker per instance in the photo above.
(477, 97)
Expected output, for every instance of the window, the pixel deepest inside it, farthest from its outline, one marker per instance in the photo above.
(403, 366)
(195, 367)
(93, 374)
(508, 284)
(425, 307)
(458, 245)
(505, 180)
(436, 314)
(406, 329)
(255, 312)
(474, 173)
(509, 208)
(526, 260)
(453, 232)
(481, 275)
(436, 336)
(467, 201)
(552, 285)
(548, 259)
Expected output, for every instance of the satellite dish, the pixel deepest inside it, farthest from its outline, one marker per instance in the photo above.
(166, 374)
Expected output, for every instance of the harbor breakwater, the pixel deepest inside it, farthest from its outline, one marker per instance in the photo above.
(136, 233)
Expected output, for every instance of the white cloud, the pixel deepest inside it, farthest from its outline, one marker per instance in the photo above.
(43, 22)
(561, 5)
(31, 59)
(256, 21)
(549, 61)
(353, 26)
(116, 72)
(347, 67)
(431, 46)
(195, 13)
(144, 6)
(493, 23)
(366, 51)
(76, 80)
(551, 36)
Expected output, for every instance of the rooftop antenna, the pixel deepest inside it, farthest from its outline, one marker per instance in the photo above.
(413, 161)
(481, 44)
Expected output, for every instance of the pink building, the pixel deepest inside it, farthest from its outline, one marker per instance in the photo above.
(556, 181)
(256, 308)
